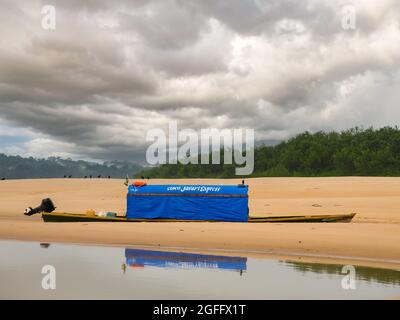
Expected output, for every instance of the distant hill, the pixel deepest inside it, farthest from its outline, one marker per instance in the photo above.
(16, 167)
(354, 152)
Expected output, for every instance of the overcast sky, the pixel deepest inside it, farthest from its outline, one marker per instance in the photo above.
(110, 71)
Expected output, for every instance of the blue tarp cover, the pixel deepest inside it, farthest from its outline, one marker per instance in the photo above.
(189, 202)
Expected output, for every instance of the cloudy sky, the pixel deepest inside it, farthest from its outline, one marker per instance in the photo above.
(110, 71)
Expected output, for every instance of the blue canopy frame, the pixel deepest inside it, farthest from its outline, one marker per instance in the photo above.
(189, 202)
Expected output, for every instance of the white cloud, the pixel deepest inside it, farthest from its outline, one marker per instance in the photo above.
(108, 73)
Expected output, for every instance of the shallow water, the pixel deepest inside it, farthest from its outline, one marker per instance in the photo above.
(92, 272)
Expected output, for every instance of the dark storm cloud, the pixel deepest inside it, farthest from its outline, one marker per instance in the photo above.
(111, 71)
(58, 71)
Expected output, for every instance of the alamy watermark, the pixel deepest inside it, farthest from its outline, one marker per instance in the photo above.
(349, 17)
(49, 279)
(189, 146)
(349, 280)
(48, 21)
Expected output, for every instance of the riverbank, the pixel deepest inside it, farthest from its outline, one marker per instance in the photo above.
(373, 238)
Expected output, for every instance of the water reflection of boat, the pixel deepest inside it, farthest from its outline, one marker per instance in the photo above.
(138, 258)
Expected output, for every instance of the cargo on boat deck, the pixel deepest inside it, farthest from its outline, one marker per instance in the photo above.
(189, 202)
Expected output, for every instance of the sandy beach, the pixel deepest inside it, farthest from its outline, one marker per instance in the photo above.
(373, 238)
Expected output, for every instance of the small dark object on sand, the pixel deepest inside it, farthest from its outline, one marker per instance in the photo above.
(242, 184)
(2, 179)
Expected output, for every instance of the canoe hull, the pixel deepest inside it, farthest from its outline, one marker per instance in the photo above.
(300, 219)
(70, 217)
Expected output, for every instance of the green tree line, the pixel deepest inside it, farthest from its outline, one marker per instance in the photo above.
(353, 152)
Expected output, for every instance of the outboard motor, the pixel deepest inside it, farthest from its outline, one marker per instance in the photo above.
(46, 206)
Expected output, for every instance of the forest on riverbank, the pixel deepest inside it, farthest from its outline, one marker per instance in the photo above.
(353, 152)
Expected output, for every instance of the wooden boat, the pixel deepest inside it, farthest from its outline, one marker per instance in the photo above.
(72, 217)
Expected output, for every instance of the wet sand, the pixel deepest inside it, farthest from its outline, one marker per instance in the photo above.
(373, 238)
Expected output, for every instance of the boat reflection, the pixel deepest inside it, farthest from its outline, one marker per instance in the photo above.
(138, 258)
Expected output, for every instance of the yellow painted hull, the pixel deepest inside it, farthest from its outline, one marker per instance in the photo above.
(71, 217)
